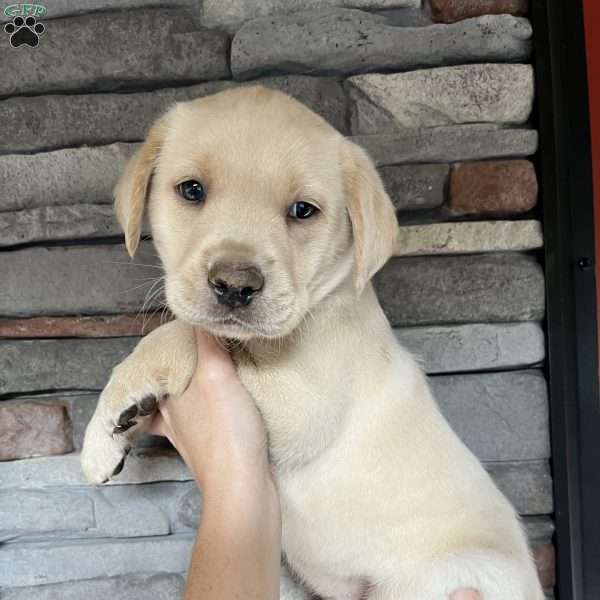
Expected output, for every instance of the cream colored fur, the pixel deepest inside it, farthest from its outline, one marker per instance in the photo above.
(379, 496)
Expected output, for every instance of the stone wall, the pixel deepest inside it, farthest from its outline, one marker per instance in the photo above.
(440, 94)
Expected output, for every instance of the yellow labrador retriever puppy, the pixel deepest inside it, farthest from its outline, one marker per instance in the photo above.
(270, 225)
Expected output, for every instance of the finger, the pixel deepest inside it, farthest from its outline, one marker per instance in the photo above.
(212, 356)
(465, 594)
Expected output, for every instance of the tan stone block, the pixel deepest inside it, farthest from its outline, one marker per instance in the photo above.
(28, 429)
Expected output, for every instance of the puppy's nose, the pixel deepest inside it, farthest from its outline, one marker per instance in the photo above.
(235, 284)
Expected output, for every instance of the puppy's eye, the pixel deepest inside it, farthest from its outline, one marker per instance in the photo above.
(302, 210)
(191, 190)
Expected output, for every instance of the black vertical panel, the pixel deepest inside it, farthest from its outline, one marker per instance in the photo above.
(565, 170)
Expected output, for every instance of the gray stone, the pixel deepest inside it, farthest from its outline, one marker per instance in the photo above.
(71, 280)
(33, 365)
(62, 8)
(189, 506)
(499, 416)
(415, 187)
(129, 511)
(63, 177)
(118, 511)
(488, 93)
(53, 562)
(347, 41)
(528, 485)
(539, 529)
(230, 14)
(132, 586)
(53, 121)
(449, 144)
(468, 237)
(475, 347)
(138, 48)
(161, 465)
(457, 289)
(25, 512)
(144, 466)
(51, 223)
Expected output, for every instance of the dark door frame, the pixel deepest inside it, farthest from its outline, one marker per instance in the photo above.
(567, 199)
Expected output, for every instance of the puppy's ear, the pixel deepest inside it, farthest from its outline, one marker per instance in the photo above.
(132, 189)
(374, 224)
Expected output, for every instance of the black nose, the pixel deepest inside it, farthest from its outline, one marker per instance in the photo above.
(235, 284)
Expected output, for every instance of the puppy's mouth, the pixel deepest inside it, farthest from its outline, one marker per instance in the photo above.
(231, 324)
(261, 317)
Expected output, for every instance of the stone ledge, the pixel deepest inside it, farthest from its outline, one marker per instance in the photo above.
(139, 48)
(66, 177)
(230, 14)
(95, 513)
(344, 41)
(449, 144)
(468, 237)
(157, 585)
(80, 327)
(68, 8)
(83, 280)
(72, 560)
(461, 289)
(28, 366)
(488, 93)
(527, 484)
(475, 346)
(38, 122)
(131, 586)
(57, 223)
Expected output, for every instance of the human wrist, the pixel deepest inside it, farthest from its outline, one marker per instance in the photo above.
(241, 481)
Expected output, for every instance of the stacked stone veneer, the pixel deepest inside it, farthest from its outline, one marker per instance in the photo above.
(440, 95)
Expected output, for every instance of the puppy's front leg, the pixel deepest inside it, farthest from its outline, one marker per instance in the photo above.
(161, 365)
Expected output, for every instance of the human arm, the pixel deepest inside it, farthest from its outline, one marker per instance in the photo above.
(219, 433)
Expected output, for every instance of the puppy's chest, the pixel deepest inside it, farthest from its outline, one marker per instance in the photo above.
(303, 409)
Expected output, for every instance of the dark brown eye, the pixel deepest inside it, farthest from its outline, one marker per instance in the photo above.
(192, 191)
(302, 210)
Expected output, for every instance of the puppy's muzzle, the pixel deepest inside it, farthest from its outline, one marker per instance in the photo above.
(235, 284)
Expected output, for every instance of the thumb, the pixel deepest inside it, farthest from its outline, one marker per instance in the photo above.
(465, 594)
(212, 355)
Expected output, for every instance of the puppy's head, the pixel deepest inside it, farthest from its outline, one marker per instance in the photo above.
(259, 210)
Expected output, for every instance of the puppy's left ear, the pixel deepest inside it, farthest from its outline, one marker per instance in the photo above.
(131, 191)
(372, 214)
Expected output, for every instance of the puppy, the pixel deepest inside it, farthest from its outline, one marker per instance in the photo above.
(270, 225)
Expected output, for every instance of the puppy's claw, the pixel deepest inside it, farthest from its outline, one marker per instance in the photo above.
(119, 467)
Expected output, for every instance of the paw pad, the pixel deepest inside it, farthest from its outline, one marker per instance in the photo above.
(24, 31)
(146, 406)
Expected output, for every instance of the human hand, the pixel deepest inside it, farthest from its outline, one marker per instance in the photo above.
(215, 424)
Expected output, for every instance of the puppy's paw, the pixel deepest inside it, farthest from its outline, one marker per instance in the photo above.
(103, 454)
(122, 412)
